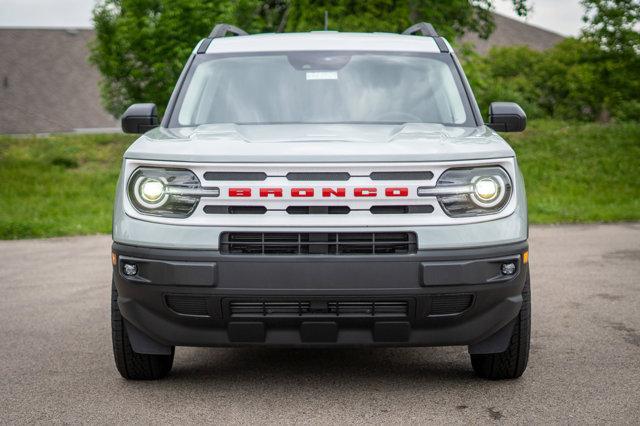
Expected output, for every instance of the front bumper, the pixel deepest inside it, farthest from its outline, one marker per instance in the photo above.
(204, 298)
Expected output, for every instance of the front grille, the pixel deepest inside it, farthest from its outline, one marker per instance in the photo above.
(340, 309)
(310, 243)
(450, 304)
(312, 210)
(187, 305)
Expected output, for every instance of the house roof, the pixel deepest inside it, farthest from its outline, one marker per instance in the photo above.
(46, 83)
(510, 32)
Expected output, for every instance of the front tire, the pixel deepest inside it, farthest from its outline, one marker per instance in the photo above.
(130, 364)
(511, 363)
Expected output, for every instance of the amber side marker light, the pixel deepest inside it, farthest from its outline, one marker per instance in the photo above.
(525, 257)
(114, 259)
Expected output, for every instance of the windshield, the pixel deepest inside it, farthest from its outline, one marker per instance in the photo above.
(323, 87)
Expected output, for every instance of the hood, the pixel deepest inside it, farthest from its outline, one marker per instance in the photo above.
(302, 143)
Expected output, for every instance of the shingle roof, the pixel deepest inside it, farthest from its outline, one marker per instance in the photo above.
(509, 32)
(47, 85)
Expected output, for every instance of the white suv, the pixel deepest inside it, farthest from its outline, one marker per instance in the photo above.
(321, 189)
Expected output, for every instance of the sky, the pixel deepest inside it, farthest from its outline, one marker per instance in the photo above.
(561, 16)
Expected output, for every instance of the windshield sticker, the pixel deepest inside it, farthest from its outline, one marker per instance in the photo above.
(324, 75)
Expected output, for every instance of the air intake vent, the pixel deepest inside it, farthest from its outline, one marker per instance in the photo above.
(188, 305)
(235, 209)
(374, 309)
(401, 176)
(309, 243)
(340, 309)
(323, 176)
(450, 304)
(235, 176)
(418, 209)
(318, 210)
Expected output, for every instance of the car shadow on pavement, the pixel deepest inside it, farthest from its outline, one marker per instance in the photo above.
(325, 365)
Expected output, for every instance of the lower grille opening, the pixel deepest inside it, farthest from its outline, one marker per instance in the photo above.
(310, 243)
(450, 304)
(340, 309)
(187, 305)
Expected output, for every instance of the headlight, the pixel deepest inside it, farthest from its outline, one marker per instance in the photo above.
(471, 192)
(152, 190)
(166, 192)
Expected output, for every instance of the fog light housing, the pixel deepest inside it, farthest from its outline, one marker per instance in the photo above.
(508, 268)
(130, 269)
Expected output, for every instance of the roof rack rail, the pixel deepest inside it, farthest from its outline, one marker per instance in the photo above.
(423, 28)
(219, 31)
(427, 30)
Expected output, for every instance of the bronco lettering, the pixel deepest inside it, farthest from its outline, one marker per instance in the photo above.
(324, 192)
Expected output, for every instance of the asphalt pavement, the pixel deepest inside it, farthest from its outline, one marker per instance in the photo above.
(56, 362)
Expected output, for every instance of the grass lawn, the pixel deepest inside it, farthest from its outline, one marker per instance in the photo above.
(58, 185)
(64, 184)
(582, 172)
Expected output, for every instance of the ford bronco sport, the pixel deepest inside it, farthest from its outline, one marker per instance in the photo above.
(321, 190)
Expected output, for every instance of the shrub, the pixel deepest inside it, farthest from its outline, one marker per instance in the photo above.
(576, 80)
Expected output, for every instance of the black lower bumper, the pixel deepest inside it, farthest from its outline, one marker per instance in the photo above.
(432, 298)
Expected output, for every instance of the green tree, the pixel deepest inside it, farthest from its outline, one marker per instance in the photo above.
(571, 81)
(613, 24)
(141, 45)
(451, 18)
(505, 74)
(574, 80)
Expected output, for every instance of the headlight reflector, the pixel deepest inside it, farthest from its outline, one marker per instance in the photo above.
(471, 192)
(166, 192)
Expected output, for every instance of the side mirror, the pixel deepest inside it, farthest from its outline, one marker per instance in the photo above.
(139, 118)
(507, 117)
